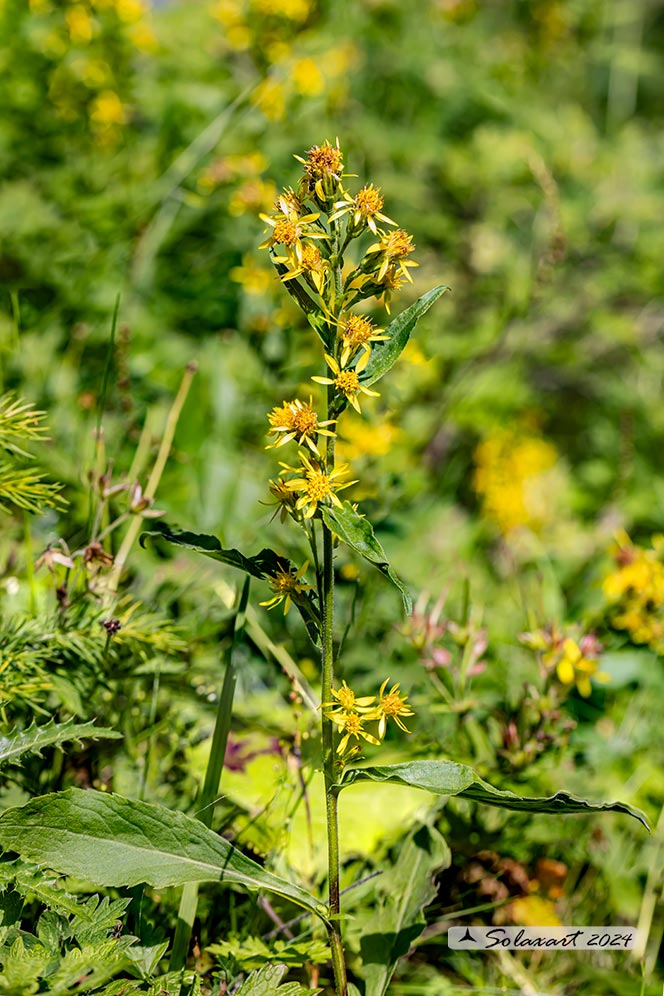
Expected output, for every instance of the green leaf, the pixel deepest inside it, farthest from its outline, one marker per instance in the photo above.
(307, 304)
(34, 739)
(403, 892)
(263, 565)
(450, 778)
(112, 841)
(266, 982)
(384, 355)
(358, 533)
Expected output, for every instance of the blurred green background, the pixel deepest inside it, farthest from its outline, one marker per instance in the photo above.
(513, 461)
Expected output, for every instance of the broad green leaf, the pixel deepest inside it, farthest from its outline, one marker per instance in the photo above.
(403, 892)
(450, 778)
(385, 354)
(263, 565)
(34, 739)
(112, 841)
(358, 533)
(267, 982)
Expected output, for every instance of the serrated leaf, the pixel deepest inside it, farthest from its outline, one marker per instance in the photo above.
(264, 564)
(450, 778)
(357, 532)
(403, 892)
(266, 982)
(112, 841)
(52, 734)
(385, 354)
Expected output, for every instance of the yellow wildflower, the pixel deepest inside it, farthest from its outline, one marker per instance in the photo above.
(350, 724)
(347, 701)
(575, 669)
(322, 171)
(636, 591)
(80, 25)
(269, 94)
(284, 499)
(254, 279)
(287, 585)
(391, 706)
(297, 420)
(307, 78)
(107, 109)
(316, 486)
(346, 382)
(311, 265)
(289, 229)
(392, 250)
(364, 208)
(356, 333)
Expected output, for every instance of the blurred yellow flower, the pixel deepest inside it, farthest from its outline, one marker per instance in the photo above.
(512, 476)
(307, 78)
(254, 279)
(361, 438)
(255, 195)
(107, 109)
(79, 24)
(295, 10)
(575, 669)
(636, 591)
(269, 96)
(129, 11)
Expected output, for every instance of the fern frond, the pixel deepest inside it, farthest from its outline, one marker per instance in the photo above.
(33, 740)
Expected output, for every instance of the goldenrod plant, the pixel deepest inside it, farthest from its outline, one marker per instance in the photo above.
(335, 252)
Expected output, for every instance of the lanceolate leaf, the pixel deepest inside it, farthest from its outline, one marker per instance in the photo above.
(450, 778)
(308, 305)
(264, 564)
(385, 354)
(358, 533)
(403, 892)
(112, 841)
(34, 739)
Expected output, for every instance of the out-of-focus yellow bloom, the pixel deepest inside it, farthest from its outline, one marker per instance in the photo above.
(269, 96)
(512, 478)
(129, 11)
(79, 24)
(575, 669)
(636, 591)
(307, 78)
(254, 279)
(294, 10)
(143, 37)
(95, 72)
(362, 439)
(253, 196)
(107, 110)
(346, 382)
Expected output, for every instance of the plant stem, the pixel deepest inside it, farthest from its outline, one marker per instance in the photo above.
(331, 805)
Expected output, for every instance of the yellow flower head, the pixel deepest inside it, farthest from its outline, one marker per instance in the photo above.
(392, 705)
(348, 701)
(284, 499)
(391, 251)
(350, 724)
(310, 264)
(575, 669)
(346, 382)
(323, 169)
(317, 486)
(297, 420)
(287, 585)
(364, 209)
(357, 333)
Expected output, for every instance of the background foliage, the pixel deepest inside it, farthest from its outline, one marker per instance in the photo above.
(512, 467)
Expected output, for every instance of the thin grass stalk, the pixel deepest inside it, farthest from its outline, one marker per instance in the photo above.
(210, 792)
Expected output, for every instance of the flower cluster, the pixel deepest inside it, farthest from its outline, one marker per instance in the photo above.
(350, 712)
(309, 234)
(635, 590)
(571, 658)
